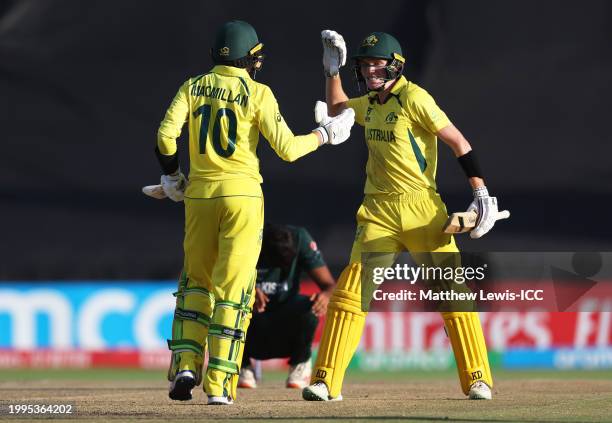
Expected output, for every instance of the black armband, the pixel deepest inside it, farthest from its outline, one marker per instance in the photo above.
(169, 164)
(469, 164)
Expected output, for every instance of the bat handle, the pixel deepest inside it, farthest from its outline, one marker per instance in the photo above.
(504, 214)
(155, 191)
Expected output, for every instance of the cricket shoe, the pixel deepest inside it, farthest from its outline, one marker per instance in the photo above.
(220, 400)
(182, 385)
(299, 375)
(246, 378)
(318, 392)
(480, 391)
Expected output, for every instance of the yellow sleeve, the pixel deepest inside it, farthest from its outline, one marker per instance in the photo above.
(176, 116)
(427, 113)
(274, 128)
(360, 106)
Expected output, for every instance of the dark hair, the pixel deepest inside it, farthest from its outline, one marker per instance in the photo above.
(277, 249)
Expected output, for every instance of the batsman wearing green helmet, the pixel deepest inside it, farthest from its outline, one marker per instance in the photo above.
(225, 111)
(401, 210)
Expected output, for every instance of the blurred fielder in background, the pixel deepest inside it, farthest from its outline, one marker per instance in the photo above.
(225, 110)
(284, 322)
(401, 209)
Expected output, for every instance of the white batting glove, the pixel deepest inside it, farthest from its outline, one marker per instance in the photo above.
(174, 186)
(334, 52)
(337, 129)
(320, 112)
(486, 208)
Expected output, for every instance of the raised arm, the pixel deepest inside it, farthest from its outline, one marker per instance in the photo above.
(334, 95)
(334, 57)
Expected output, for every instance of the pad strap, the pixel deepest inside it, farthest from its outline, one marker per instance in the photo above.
(184, 345)
(194, 290)
(195, 316)
(236, 306)
(226, 332)
(223, 365)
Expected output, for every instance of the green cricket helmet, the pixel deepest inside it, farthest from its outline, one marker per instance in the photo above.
(236, 44)
(380, 45)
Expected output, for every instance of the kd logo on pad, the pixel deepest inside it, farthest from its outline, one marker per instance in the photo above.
(476, 375)
(321, 374)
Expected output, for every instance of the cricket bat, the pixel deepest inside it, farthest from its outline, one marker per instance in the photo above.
(459, 223)
(155, 191)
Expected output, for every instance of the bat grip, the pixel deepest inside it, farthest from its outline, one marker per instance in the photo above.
(504, 214)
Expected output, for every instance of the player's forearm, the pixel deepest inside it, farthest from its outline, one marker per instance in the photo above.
(169, 163)
(476, 182)
(291, 149)
(167, 154)
(319, 137)
(455, 140)
(462, 149)
(323, 278)
(335, 96)
(470, 166)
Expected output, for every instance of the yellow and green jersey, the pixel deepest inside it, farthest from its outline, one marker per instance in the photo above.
(282, 284)
(401, 140)
(225, 111)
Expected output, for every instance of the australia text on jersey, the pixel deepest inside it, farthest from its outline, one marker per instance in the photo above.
(373, 134)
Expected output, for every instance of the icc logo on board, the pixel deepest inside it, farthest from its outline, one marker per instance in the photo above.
(79, 323)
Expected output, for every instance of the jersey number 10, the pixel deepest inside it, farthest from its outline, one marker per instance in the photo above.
(205, 111)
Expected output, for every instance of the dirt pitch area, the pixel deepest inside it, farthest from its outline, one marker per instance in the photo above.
(532, 400)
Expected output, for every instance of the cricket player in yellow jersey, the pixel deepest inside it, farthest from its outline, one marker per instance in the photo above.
(225, 111)
(401, 209)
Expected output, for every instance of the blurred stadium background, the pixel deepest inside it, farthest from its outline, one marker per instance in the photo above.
(88, 263)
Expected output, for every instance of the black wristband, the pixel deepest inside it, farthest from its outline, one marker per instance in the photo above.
(469, 164)
(169, 164)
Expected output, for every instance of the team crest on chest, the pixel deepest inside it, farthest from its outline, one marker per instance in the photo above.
(391, 117)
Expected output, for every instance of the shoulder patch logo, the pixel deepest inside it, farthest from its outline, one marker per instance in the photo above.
(225, 51)
(369, 41)
(391, 117)
(313, 246)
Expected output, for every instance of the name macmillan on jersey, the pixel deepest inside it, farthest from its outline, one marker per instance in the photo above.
(219, 94)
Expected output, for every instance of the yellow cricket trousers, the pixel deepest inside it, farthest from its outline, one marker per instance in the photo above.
(389, 224)
(215, 295)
